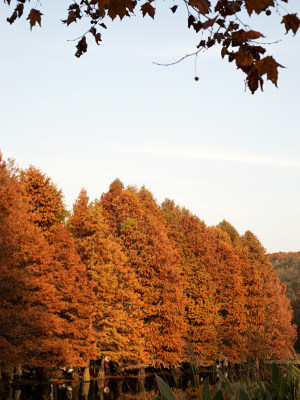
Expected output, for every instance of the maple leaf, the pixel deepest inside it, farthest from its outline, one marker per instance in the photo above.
(269, 67)
(291, 21)
(258, 5)
(209, 23)
(71, 17)
(242, 36)
(120, 8)
(253, 79)
(148, 9)
(174, 8)
(34, 17)
(202, 5)
(243, 59)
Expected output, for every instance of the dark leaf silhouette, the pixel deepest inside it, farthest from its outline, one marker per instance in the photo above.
(34, 17)
(291, 22)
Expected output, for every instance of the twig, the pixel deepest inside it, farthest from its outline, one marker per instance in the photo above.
(178, 61)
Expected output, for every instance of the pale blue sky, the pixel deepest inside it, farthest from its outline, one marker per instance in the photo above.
(209, 145)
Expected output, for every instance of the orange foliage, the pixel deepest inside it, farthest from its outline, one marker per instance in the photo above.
(125, 278)
(28, 305)
(116, 314)
(271, 334)
(225, 267)
(45, 200)
(155, 262)
(202, 311)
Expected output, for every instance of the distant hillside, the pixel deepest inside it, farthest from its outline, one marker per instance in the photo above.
(281, 256)
(287, 266)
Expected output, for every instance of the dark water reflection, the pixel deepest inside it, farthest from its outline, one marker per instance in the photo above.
(123, 388)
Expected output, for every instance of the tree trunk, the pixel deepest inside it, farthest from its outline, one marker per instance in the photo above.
(141, 378)
(85, 390)
(75, 374)
(100, 383)
(120, 386)
(86, 373)
(101, 372)
(75, 389)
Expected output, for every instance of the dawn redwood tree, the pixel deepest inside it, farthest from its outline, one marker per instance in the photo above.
(253, 295)
(269, 312)
(222, 23)
(45, 200)
(155, 262)
(75, 290)
(201, 312)
(68, 274)
(270, 333)
(117, 319)
(225, 267)
(30, 327)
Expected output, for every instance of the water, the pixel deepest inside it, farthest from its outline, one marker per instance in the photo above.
(113, 388)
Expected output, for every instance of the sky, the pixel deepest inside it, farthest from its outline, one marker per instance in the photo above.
(213, 147)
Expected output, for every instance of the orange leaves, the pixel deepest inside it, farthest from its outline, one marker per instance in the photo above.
(149, 285)
(34, 17)
(202, 5)
(137, 222)
(148, 9)
(291, 22)
(258, 5)
(45, 200)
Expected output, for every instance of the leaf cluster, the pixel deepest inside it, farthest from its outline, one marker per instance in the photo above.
(218, 22)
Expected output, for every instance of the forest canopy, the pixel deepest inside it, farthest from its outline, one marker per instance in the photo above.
(124, 277)
(221, 23)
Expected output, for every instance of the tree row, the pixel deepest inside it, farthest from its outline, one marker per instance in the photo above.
(124, 277)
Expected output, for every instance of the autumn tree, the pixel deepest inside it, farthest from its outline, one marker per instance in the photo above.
(220, 23)
(53, 260)
(269, 313)
(287, 267)
(224, 265)
(117, 319)
(134, 219)
(202, 310)
(30, 327)
(75, 291)
(45, 200)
